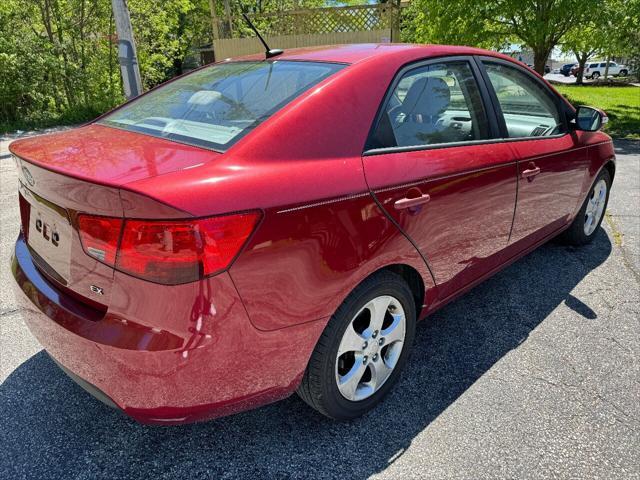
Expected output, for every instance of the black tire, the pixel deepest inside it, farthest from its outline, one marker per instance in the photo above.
(623, 73)
(319, 388)
(575, 234)
(595, 75)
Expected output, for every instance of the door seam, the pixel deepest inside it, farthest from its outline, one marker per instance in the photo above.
(392, 220)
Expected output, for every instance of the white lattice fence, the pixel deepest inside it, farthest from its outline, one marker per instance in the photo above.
(359, 18)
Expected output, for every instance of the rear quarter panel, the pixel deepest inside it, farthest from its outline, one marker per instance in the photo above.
(304, 261)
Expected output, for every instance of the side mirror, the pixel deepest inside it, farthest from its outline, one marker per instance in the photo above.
(589, 119)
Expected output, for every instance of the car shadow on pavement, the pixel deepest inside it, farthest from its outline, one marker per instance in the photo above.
(50, 428)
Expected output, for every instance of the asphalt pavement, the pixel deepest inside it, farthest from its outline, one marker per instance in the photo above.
(558, 77)
(533, 374)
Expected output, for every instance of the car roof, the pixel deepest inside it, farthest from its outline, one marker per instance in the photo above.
(355, 53)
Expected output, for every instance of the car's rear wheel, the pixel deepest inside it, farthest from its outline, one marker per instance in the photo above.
(362, 350)
(589, 218)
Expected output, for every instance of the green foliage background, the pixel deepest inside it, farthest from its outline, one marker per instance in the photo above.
(606, 27)
(58, 58)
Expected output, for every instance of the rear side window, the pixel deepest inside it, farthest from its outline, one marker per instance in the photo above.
(216, 106)
(528, 108)
(434, 104)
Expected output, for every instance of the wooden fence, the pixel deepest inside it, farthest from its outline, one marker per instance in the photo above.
(304, 28)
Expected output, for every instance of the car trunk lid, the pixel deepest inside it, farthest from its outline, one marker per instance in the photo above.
(65, 175)
(109, 156)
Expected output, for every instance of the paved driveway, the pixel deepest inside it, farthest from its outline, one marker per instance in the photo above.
(535, 373)
(558, 77)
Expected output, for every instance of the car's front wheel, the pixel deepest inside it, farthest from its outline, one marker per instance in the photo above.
(362, 350)
(623, 73)
(595, 75)
(584, 226)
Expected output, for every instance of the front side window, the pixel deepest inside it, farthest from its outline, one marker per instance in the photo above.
(214, 107)
(434, 104)
(528, 109)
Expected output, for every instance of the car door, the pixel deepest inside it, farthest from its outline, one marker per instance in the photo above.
(552, 163)
(434, 166)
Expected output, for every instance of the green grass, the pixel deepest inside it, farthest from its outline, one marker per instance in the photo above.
(622, 105)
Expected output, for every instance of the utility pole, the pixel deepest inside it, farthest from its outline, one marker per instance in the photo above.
(126, 50)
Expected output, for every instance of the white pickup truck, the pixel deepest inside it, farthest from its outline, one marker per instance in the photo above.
(596, 70)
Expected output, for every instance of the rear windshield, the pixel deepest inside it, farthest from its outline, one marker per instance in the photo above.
(216, 106)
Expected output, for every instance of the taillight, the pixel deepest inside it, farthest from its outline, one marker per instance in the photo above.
(168, 252)
(99, 236)
(175, 252)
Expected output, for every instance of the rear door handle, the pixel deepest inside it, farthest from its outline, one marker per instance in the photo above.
(531, 172)
(411, 202)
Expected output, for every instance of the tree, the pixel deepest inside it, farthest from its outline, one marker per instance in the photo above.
(539, 24)
(464, 22)
(609, 30)
(620, 27)
(583, 41)
(54, 60)
(58, 58)
(165, 32)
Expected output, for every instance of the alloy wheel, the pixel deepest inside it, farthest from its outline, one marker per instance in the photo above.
(595, 207)
(370, 348)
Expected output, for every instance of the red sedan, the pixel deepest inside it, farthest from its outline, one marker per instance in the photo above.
(263, 227)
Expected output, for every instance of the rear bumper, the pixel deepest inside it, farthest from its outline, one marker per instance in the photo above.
(166, 354)
(87, 387)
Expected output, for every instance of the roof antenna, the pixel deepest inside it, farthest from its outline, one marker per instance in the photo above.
(269, 53)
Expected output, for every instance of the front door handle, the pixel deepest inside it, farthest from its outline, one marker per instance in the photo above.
(411, 202)
(531, 172)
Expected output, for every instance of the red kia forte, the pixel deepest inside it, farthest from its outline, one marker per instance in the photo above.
(263, 227)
